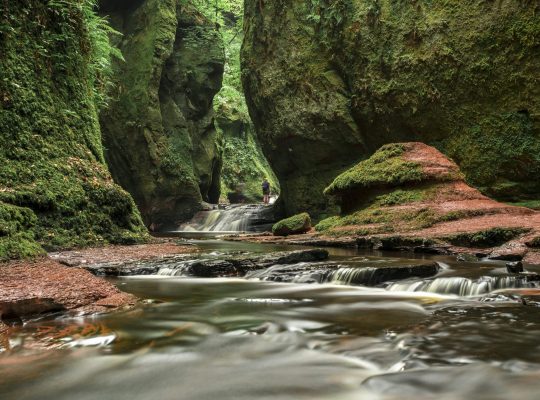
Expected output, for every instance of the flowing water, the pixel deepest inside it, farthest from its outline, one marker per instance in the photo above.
(231, 218)
(471, 332)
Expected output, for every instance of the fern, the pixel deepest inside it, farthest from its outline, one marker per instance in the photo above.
(102, 52)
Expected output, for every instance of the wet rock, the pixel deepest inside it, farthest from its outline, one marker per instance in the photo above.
(373, 276)
(240, 266)
(230, 265)
(325, 242)
(514, 267)
(466, 257)
(411, 244)
(130, 268)
(299, 273)
(509, 252)
(343, 274)
(19, 308)
(213, 268)
(291, 257)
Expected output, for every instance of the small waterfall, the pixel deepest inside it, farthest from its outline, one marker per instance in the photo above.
(463, 286)
(233, 218)
(176, 269)
(348, 276)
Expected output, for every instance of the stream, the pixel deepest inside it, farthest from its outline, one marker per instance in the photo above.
(466, 333)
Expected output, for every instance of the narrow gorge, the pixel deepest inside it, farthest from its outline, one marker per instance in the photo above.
(269, 199)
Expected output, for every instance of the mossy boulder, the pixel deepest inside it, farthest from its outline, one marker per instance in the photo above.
(159, 129)
(297, 224)
(406, 188)
(55, 189)
(397, 173)
(328, 82)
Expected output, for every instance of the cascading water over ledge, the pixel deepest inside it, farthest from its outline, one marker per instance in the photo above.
(464, 286)
(232, 218)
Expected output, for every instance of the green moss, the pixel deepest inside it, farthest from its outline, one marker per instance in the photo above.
(159, 131)
(398, 197)
(385, 167)
(50, 148)
(16, 233)
(495, 145)
(299, 223)
(383, 220)
(244, 165)
(334, 80)
(20, 245)
(487, 238)
(462, 214)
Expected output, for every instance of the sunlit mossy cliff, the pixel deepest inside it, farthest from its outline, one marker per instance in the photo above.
(55, 190)
(329, 82)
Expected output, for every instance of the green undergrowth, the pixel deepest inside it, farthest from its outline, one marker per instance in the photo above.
(486, 238)
(385, 167)
(54, 186)
(384, 221)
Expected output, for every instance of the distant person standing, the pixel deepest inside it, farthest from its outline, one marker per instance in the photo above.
(266, 191)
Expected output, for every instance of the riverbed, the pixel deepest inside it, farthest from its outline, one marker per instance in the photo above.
(465, 333)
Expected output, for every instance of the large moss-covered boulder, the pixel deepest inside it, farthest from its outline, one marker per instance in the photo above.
(159, 130)
(328, 82)
(55, 190)
(413, 189)
(300, 223)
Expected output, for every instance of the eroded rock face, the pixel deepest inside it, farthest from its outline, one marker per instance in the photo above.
(159, 130)
(328, 82)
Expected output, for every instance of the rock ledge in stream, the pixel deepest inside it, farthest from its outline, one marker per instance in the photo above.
(41, 286)
(367, 275)
(226, 266)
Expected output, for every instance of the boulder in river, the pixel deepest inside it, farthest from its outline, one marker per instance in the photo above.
(300, 223)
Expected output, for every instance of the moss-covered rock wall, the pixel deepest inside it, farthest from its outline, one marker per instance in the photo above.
(159, 130)
(244, 164)
(328, 82)
(55, 190)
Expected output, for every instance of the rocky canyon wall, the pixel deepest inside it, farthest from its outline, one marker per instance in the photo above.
(328, 82)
